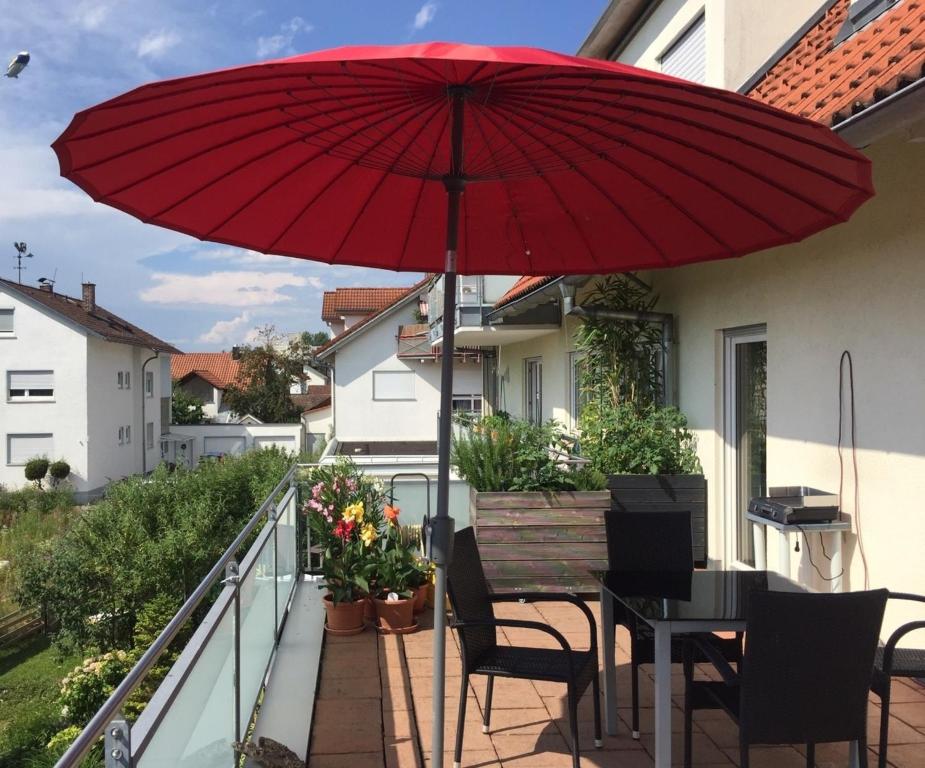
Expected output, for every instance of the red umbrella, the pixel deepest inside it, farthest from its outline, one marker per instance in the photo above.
(361, 155)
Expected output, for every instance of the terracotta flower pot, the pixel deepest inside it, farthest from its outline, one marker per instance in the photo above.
(344, 618)
(420, 599)
(396, 615)
(429, 590)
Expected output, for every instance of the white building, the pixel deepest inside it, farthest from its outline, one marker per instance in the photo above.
(80, 384)
(386, 380)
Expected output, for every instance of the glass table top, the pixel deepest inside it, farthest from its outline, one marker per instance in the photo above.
(691, 595)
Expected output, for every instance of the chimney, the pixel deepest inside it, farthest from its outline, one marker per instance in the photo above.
(47, 287)
(236, 353)
(89, 296)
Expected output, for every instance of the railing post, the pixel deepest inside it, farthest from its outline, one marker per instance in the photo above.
(275, 582)
(118, 744)
(232, 577)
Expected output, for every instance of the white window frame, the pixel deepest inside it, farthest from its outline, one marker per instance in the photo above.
(149, 435)
(733, 517)
(149, 383)
(11, 313)
(385, 375)
(574, 406)
(472, 404)
(9, 446)
(533, 401)
(28, 397)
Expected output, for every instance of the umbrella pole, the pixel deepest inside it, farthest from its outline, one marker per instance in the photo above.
(441, 535)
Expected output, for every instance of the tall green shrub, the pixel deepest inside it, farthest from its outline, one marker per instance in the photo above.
(36, 469)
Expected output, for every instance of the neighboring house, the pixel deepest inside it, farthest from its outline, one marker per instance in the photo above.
(80, 384)
(207, 375)
(386, 379)
(317, 416)
(343, 308)
(765, 334)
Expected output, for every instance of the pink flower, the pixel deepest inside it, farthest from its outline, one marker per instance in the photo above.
(317, 506)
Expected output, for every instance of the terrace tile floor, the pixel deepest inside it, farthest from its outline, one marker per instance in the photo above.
(373, 710)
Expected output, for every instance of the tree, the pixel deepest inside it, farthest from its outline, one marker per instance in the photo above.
(185, 408)
(314, 338)
(265, 376)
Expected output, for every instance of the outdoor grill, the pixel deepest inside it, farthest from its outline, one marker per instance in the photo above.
(796, 505)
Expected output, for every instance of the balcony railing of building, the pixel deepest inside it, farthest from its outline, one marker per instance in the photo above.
(208, 699)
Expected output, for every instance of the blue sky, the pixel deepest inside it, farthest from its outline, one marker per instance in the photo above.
(197, 295)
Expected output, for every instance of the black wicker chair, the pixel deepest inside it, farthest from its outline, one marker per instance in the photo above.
(474, 620)
(653, 541)
(891, 662)
(804, 676)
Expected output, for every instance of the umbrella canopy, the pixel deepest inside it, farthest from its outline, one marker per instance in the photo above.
(361, 156)
(571, 165)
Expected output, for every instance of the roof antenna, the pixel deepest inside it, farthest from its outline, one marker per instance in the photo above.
(21, 253)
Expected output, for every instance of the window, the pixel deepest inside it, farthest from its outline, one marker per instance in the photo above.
(577, 396)
(30, 385)
(686, 57)
(128, 435)
(21, 448)
(128, 380)
(393, 385)
(6, 320)
(533, 390)
(121, 435)
(120, 380)
(149, 383)
(149, 434)
(471, 404)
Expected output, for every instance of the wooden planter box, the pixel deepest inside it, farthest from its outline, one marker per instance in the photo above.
(541, 541)
(653, 493)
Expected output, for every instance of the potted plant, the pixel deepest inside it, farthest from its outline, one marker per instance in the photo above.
(344, 513)
(530, 502)
(396, 573)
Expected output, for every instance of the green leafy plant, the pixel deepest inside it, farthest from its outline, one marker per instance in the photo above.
(498, 453)
(59, 471)
(36, 469)
(632, 439)
(185, 408)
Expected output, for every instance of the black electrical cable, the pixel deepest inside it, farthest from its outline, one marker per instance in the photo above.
(846, 355)
(809, 553)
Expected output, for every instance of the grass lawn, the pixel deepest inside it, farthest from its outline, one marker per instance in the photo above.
(30, 674)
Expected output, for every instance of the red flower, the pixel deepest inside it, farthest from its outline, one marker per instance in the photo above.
(344, 529)
(391, 514)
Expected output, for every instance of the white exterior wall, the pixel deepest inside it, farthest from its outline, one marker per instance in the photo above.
(358, 417)
(741, 35)
(42, 343)
(286, 436)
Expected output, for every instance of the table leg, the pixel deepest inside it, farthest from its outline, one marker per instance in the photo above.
(609, 649)
(838, 582)
(783, 554)
(761, 547)
(662, 695)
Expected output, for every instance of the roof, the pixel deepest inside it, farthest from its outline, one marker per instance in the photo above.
(357, 301)
(522, 287)
(829, 82)
(325, 350)
(317, 396)
(220, 369)
(99, 322)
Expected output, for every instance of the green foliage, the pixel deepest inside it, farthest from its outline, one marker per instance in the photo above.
(36, 469)
(149, 538)
(314, 338)
(59, 470)
(498, 453)
(620, 356)
(185, 408)
(632, 439)
(264, 378)
(87, 686)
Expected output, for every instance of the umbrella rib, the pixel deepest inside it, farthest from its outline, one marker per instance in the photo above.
(622, 211)
(628, 141)
(713, 130)
(550, 186)
(513, 208)
(308, 205)
(295, 140)
(386, 173)
(661, 193)
(168, 137)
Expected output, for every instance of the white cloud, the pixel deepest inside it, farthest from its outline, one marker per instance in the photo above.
(272, 45)
(90, 16)
(156, 44)
(227, 331)
(241, 256)
(230, 289)
(425, 15)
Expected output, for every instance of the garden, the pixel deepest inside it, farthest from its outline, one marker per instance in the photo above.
(111, 575)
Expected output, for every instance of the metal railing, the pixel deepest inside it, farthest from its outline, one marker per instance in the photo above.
(211, 693)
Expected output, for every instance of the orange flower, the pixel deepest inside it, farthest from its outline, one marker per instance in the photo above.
(391, 514)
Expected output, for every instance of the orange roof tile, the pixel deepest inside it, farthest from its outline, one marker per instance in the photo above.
(358, 301)
(523, 286)
(828, 83)
(218, 368)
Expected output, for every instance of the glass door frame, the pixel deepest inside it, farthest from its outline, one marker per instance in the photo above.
(732, 516)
